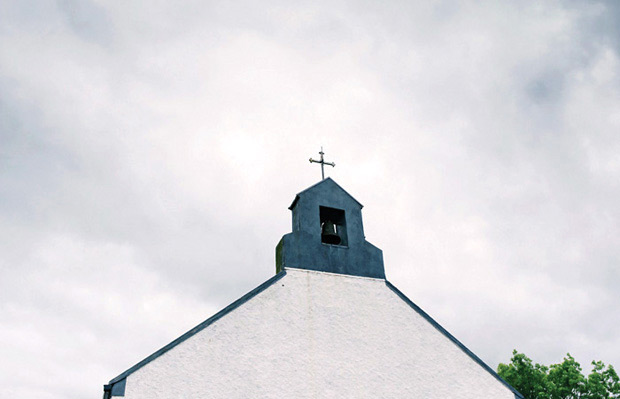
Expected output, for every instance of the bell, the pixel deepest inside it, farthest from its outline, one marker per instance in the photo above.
(328, 233)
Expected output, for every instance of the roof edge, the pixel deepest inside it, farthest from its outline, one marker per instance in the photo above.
(201, 326)
(451, 337)
(316, 184)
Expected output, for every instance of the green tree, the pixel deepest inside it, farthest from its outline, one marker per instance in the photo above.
(564, 380)
(527, 378)
(602, 383)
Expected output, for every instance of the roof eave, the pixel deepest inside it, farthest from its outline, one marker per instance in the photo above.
(452, 338)
(200, 326)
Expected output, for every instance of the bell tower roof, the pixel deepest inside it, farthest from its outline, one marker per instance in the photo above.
(331, 186)
(328, 234)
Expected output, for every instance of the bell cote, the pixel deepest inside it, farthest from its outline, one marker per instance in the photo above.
(328, 234)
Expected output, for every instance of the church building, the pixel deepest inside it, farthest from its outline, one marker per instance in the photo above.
(327, 325)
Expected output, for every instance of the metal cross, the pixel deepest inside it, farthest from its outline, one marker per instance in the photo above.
(322, 162)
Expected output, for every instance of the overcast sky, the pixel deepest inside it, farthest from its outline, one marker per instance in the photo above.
(149, 151)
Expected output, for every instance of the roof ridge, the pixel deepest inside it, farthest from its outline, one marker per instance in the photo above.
(200, 326)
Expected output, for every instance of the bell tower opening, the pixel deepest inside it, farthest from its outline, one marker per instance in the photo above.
(333, 226)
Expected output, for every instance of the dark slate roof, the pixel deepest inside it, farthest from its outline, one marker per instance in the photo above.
(201, 326)
(452, 338)
(322, 182)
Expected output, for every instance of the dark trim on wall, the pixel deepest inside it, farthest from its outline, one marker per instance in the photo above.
(115, 389)
(452, 338)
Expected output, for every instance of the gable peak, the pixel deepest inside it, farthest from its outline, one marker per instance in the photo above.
(325, 183)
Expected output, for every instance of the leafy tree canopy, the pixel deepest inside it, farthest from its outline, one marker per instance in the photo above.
(564, 380)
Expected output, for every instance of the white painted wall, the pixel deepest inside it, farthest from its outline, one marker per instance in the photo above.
(317, 335)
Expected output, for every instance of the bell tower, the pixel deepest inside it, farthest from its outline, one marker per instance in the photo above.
(328, 234)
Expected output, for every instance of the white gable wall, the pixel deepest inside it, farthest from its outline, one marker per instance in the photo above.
(317, 335)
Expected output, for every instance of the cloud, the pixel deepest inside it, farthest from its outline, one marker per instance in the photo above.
(148, 154)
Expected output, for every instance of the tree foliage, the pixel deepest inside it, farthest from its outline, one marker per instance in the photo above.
(564, 380)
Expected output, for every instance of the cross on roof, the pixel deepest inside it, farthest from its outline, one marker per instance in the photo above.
(322, 162)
